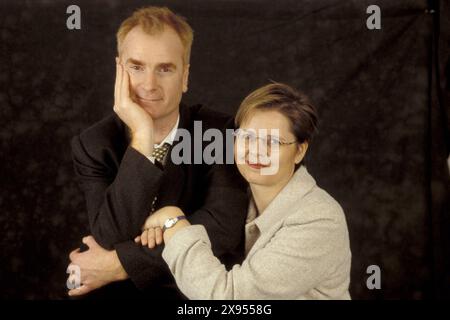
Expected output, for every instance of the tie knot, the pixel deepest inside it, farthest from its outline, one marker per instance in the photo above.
(160, 152)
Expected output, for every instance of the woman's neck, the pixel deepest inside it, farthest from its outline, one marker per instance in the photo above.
(263, 195)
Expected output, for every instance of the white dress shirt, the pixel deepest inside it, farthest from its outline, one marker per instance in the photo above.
(168, 139)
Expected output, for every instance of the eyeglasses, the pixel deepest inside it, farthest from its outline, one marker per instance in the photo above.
(249, 136)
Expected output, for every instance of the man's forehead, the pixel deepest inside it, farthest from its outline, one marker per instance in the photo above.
(161, 47)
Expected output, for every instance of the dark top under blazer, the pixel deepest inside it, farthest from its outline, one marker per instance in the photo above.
(119, 185)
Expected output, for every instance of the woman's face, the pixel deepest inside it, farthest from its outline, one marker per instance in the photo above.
(256, 159)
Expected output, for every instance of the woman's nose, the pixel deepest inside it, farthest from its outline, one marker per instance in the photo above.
(259, 147)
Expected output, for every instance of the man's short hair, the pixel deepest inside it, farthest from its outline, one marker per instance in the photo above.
(153, 20)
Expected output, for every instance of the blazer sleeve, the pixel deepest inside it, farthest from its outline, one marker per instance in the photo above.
(298, 258)
(118, 199)
(223, 212)
(110, 192)
(144, 266)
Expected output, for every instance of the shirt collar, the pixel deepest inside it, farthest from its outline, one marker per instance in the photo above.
(171, 136)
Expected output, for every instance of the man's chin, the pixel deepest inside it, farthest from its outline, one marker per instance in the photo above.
(150, 107)
(150, 110)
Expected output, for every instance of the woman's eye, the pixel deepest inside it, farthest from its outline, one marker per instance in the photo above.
(274, 141)
(248, 136)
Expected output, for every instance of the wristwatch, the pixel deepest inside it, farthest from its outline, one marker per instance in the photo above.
(171, 222)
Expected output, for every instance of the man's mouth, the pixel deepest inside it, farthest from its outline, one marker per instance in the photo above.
(149, 99)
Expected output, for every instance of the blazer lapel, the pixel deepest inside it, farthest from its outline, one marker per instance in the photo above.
(288, 201)
(173, 183)
(174, 175)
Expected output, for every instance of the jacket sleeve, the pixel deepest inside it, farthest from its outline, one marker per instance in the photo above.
(144, 266)
(223, 212)
(118, 199)
(298, 258)
(223, 216)
(111, 190)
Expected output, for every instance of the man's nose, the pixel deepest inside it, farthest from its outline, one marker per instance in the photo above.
(150, 81)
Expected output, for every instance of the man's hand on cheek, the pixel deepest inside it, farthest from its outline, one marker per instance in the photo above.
(133, 115)
(98, 267)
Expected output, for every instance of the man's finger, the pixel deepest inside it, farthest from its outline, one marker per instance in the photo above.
(137, 239)
(125, 92)
(83, 289)
(90, 241)
(144, 237)
(73, 254)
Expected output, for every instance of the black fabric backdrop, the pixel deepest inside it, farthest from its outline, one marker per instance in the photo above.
(382, 97)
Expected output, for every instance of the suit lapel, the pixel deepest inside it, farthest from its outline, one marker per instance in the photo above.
(174, 175)
(173, 184)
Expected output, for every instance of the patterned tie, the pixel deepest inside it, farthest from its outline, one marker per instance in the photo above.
(159, 154)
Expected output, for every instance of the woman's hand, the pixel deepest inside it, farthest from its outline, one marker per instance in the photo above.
(152, 234)
(150, 237)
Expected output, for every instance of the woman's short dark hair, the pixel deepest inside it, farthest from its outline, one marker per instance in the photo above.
(293, 104)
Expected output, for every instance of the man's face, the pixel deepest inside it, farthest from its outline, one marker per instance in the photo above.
(158, 76)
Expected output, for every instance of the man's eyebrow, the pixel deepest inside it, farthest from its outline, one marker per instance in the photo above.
(134, 61)
(168, 65)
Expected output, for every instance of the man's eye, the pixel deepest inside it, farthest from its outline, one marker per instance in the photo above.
(136, 68)
(165, 69)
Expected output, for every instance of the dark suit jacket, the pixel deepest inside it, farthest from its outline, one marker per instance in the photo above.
(119, 185)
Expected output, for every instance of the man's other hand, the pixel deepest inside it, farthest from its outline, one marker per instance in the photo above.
(98, 267)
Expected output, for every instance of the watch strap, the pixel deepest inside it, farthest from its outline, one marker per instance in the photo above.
(175, 221)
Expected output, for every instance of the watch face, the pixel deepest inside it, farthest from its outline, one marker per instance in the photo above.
(170, 222)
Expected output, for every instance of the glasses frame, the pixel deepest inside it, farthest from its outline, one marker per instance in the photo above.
(280, 143)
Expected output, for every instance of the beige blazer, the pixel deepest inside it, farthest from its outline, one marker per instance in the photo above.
(298, 248)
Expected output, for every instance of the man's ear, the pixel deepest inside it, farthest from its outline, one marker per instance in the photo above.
(301, 151)
(185, 77)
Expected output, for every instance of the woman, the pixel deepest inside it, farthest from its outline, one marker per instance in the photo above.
(297, 244)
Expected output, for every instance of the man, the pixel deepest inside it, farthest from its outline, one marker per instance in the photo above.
(125, 172)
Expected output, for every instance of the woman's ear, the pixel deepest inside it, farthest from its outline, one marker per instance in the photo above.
(301, 151)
